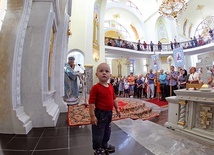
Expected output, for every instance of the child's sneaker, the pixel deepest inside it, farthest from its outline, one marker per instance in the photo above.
(110, 148)
(99, 152)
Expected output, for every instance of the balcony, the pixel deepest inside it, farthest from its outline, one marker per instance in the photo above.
(129, 49)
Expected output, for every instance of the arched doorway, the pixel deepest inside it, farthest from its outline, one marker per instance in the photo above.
(79, 59)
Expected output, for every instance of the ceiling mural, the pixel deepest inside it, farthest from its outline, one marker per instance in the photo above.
(162, 32)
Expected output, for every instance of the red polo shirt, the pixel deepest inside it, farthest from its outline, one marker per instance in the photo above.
(103, 97)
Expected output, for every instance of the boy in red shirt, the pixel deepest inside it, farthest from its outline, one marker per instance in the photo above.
(101, 103)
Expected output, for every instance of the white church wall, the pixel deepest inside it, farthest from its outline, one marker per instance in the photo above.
(151, 24)
(139, 66)
(13, 118)
(61, 48)
(132, 18)
(82, 31)
(38, 95)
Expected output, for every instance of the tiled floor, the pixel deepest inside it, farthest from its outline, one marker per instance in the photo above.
(162, 119)
(64, 140)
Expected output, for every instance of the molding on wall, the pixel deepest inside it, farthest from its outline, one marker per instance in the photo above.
(26, 124)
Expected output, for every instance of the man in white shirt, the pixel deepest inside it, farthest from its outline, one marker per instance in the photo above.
(194, 76)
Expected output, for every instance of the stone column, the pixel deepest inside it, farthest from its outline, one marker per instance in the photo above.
(182, 113)
(38, 64)
(61, 52)
(13, 117)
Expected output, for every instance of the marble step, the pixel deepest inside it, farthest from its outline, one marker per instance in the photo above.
(162, 141)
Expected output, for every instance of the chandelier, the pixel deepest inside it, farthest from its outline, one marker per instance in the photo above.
(172, 8)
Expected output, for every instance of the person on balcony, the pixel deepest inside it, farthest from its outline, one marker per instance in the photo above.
(118, 42)
(195, 41)
(145, 45)
(175, 44)
(200, 40)
(211, 33)
(151, 46)
(138, 46)
(192, 42)
(159, 46)
(171, 44)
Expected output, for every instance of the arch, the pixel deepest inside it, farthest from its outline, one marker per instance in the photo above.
(114, 34)
(161, 30)
(204, 26)
(76, 50)
(79, 58)
(118, 28)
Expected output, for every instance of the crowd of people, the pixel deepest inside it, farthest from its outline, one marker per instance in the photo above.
(193, 42)
(160, 84)
(102, 97)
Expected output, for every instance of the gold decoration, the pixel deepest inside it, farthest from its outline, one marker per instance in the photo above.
(181, 123)
(116, 16)
(69, 32)
(50, 58)
(172, 8)
(195, 86)
(205, 114)
(182, 102)
(135, 31)
(200, 7)
(96, 55)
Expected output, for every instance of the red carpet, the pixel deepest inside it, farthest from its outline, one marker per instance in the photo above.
(158, 102)
(79, 114)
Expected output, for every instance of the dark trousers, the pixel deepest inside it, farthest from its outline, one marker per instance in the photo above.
(139, 92)
(162, 89)
(173, 88)
(102, 131)
(167, 91)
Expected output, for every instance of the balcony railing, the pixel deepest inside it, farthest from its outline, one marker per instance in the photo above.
(159, 48)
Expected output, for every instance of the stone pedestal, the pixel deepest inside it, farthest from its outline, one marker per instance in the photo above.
(192, 111)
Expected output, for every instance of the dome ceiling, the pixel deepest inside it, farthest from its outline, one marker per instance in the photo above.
(139, 11)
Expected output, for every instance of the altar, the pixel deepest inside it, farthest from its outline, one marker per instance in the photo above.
(192, 111)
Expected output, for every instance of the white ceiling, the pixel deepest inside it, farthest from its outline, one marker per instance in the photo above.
(150, 7)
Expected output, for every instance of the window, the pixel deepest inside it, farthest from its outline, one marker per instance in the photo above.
(108, 61)
(131, 66)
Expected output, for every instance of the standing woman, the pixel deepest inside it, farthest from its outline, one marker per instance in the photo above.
(182, 79)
